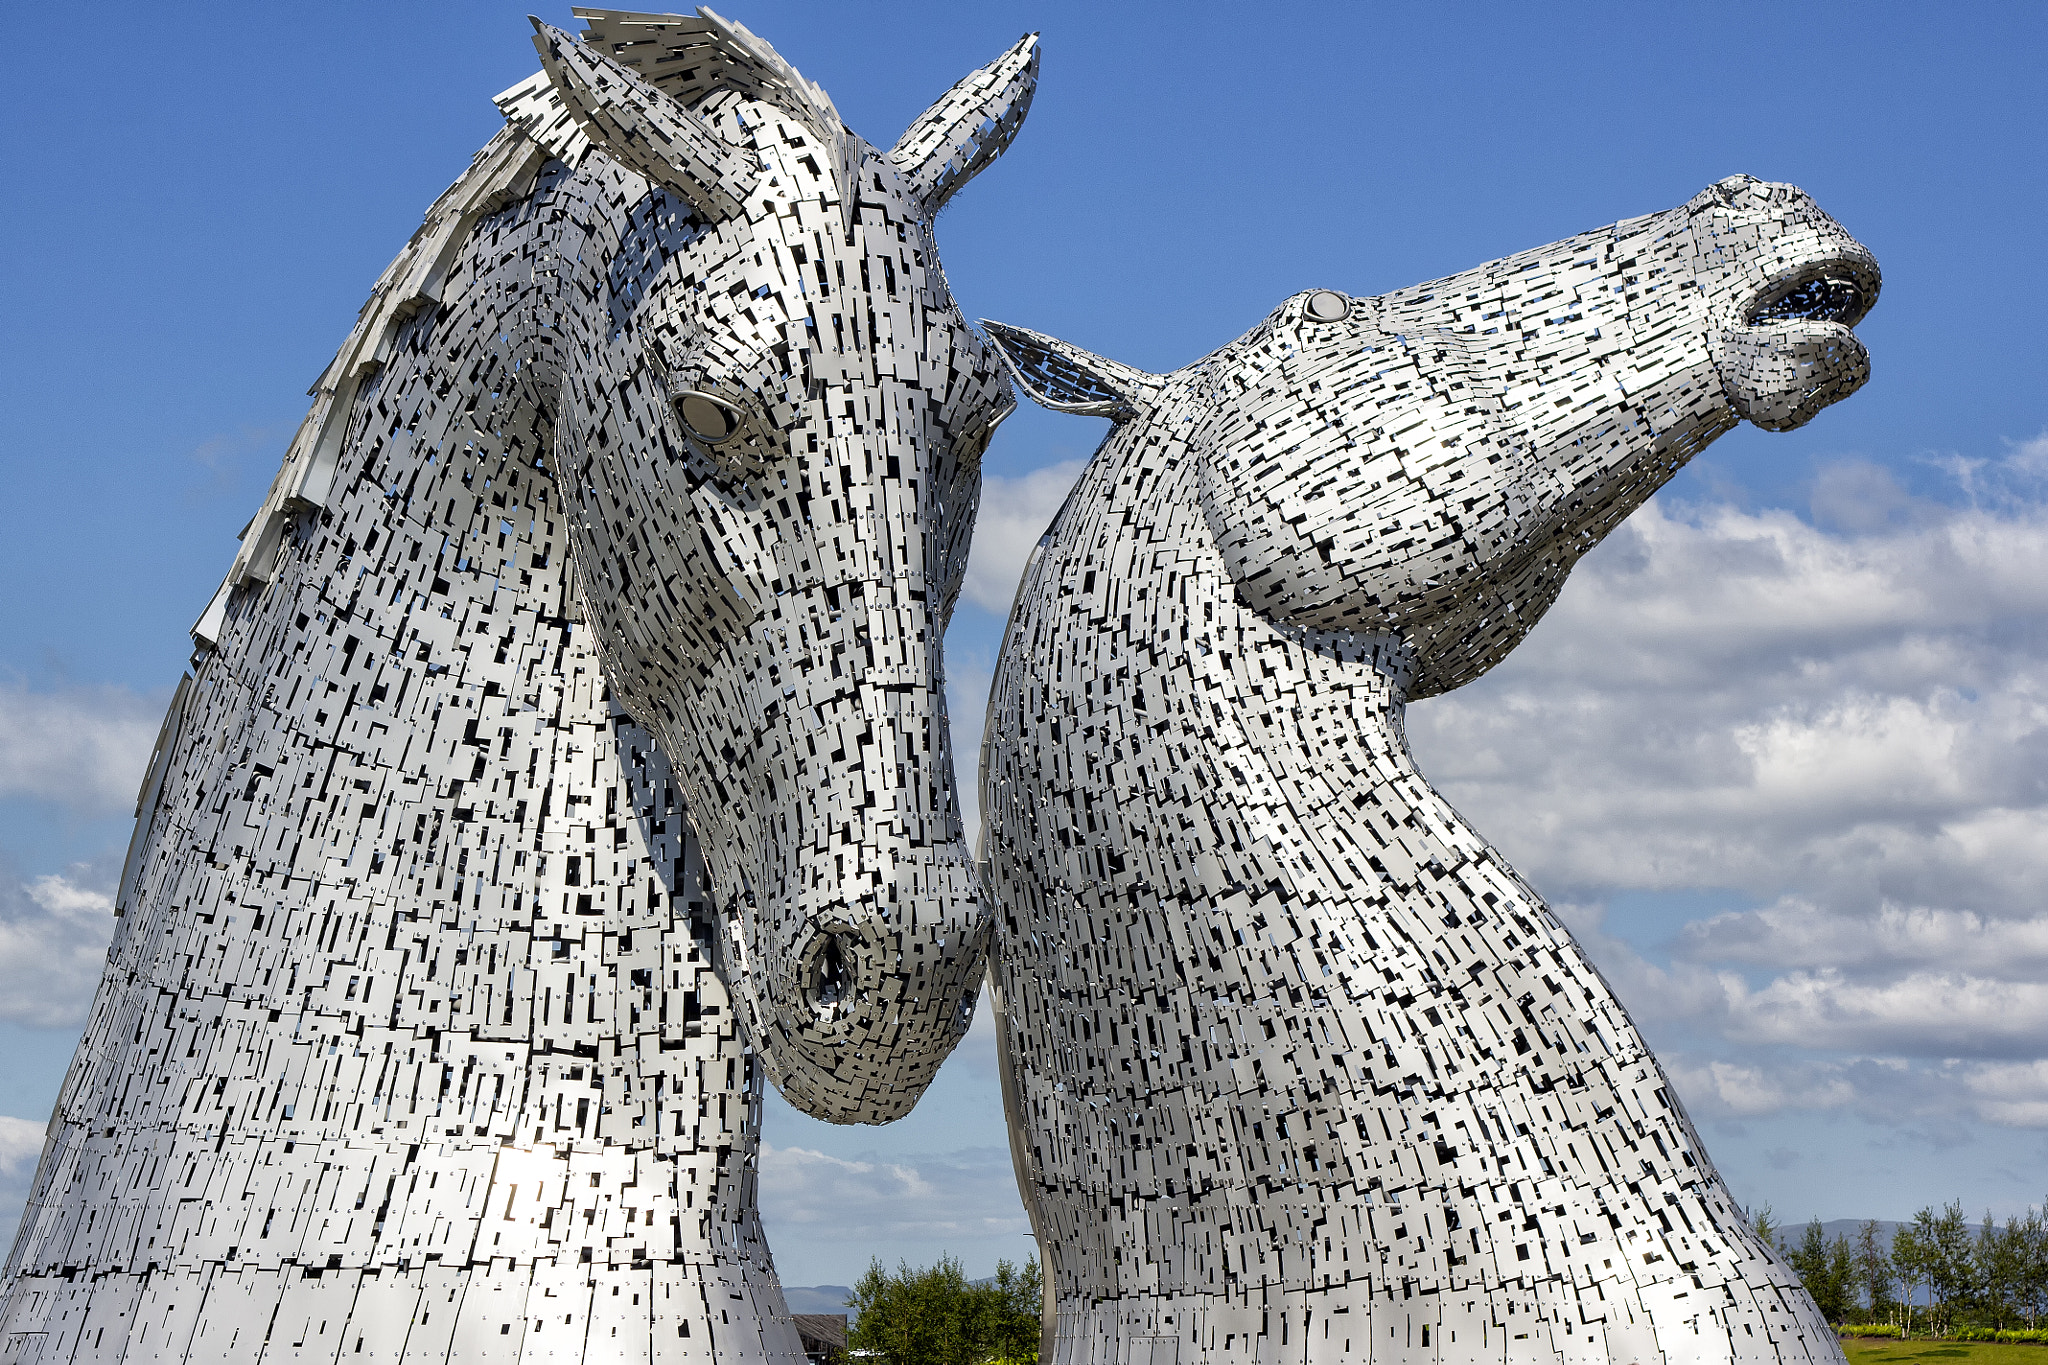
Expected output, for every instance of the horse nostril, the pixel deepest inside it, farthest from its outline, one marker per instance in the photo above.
(711, 420)
(829, 980)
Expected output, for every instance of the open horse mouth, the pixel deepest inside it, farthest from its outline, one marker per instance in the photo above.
(1796, 351)
(1839, 290)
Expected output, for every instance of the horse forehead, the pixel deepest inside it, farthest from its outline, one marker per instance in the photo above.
(674, 264)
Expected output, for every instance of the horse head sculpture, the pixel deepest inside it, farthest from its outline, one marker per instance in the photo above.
(1432, 462)
(774, 451)
(1297, 1063)
(443, 1057)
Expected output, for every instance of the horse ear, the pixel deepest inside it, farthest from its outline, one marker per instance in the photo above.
(1068, 379)
(644, 130)
(970, 126)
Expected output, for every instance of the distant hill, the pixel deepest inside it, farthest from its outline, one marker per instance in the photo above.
(1790, 1233)
(1840, 1227)
(817, 1298)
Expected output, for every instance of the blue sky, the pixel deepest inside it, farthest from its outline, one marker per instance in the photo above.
(1777, 755)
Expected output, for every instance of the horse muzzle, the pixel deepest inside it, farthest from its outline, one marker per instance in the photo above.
(1795, 351)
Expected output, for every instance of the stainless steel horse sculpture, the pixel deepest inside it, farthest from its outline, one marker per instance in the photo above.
(1298, 1068)
(616, 549)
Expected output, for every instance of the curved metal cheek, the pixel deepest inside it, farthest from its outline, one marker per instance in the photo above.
(1312, 507)
(663, 602)
(804, 712)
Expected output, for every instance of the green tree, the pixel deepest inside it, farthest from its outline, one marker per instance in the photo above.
(1766, 1230)
(1842, 1278)
(1874, 1269)
(935, 1317)
(912, 1317)
(1950, 1267)
(2031, 1251)
(1008, 1314)
(1828, 1270)
(2001, 1257)
(1909, 1263)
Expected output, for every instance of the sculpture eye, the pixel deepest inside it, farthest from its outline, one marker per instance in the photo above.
(711, 420)
(1326, 305)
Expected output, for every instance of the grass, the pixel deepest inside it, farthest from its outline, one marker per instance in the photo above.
(1879, 1351)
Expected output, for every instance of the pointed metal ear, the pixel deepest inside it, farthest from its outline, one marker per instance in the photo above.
(970, 126)
(644, 130)
(1068, 379)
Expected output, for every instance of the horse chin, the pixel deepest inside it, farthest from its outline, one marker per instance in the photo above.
(1779, 375)
(905, 959)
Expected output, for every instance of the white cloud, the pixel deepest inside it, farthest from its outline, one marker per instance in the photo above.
(1742, 699)
(2014, 1093)
(1720, 1089)
(21, 1146)
(1795, 933)
(80, 747)
(1922, 1013)
(1939, 1100)
(1014, 513)
(1844, 724)
(53, 943)
(829, 1214)
(968, 674)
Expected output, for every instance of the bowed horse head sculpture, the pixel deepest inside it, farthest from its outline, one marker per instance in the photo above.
(774, 455)
(414, 952)
(1299, 1067)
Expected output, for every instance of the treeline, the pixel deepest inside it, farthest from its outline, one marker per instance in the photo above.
(1954, 1279)
(936, 1317)
(1933, 1275)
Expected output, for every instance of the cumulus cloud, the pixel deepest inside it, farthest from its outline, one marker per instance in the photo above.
(1722, 1089)
(80, 747)
(1936, 1101)
(1015, 510)
(21, 1146)
(2015, 1093)
(1014, 513)
(903, 1208)
(1925, 1014)
(53, 941)
(968, 674)
(1796, 933)
(1842, 721)
(1744, 699)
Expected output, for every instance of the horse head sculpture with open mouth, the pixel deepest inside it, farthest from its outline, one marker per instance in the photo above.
(1297, 1066)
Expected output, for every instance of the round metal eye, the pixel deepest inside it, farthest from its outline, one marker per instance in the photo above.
(1326, 305)
(709, 419)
